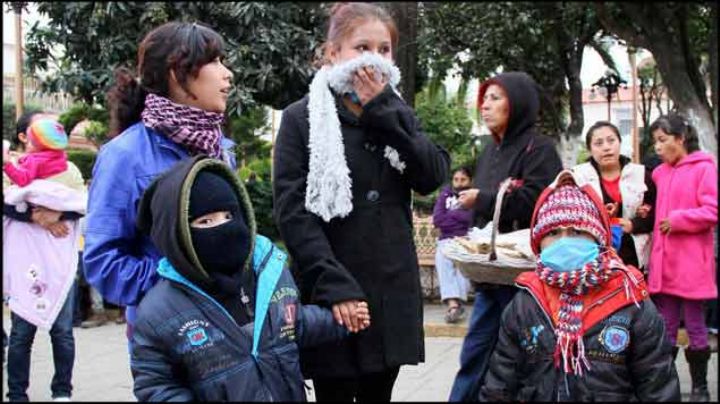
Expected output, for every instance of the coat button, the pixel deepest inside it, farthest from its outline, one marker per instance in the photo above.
(372, 195)
(369, 146)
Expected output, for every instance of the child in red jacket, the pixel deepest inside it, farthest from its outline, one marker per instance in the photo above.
(582, 327)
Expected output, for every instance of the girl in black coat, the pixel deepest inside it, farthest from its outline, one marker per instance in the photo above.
(345, 165)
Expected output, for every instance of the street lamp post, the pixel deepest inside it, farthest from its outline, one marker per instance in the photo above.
(610, 82)
(635, 138)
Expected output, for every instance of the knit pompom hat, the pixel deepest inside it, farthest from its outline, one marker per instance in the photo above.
(568, 205)
(47, 134)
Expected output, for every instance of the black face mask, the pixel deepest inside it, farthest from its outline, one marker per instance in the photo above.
(223, 248)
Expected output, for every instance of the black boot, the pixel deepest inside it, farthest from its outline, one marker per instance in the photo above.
(698, 361)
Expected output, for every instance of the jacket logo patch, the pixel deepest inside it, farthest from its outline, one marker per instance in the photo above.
(290, 310)
(615, 338)
(197, 336)
(290, 314)
(530, 340)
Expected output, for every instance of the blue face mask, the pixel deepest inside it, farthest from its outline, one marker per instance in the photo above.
(569, 254)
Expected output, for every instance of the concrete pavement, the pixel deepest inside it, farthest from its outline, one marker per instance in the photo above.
(102, 372)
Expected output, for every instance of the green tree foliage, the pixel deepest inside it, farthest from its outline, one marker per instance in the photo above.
(245, 130)
(10, 121)
(80, 111)
(544, 39)
(84, 160)
(447, 124)
(269, 45)
(682, 37)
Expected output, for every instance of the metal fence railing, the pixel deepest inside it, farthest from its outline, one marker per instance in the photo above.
(55, 102)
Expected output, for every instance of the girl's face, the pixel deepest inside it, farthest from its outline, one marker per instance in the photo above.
(495, 109)
(370, 36)
(560, 232)
(211, 87)
(605, 147)
(670, 148)
(460, 180)
(26, 145)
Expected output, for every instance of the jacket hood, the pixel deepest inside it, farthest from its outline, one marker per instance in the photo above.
(163, 214)
(522, 92)
(696, 157)
(565, 177)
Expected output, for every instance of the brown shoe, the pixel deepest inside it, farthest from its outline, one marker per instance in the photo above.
(96, 320)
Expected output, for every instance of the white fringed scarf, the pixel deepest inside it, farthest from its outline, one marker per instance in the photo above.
(328, 193)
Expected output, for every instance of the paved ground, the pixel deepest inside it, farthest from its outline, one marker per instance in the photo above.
(102, 372)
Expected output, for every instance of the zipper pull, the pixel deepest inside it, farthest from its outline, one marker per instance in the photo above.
(246, 302)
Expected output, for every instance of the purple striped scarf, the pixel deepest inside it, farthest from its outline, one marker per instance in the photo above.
(194, 128)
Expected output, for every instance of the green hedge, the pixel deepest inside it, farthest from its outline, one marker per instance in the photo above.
(84, 160)
(10, 121)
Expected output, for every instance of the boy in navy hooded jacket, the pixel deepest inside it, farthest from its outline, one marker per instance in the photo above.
(224, 322)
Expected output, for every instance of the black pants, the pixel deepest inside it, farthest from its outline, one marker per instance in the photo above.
(370, 387)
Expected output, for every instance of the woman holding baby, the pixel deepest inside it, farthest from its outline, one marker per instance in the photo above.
(347, 158)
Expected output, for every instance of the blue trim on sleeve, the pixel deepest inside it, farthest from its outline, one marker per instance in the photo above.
(271, 268)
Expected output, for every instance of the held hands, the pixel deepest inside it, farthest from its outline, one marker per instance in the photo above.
(643, 211)
(468, 197)
(366, 86)
(50, 220)
(353, 314)
(627, 225)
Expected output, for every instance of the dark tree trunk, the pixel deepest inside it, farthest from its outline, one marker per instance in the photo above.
(713, 51)
(654, 26)
(405, 15)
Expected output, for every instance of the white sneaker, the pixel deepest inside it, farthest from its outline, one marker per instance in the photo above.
(62, 399)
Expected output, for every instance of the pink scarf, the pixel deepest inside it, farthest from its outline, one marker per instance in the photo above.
(194, 128)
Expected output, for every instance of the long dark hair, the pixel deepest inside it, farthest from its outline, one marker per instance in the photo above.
(677, 126)
(181, 47)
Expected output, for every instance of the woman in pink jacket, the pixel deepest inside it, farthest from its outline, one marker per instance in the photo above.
(682, 263)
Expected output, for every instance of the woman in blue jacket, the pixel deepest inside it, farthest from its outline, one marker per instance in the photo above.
(173, 111)
(225, 321)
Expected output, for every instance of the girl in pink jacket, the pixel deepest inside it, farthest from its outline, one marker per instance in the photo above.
(682, 263)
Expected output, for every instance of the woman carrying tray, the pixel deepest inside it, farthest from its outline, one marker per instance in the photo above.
(509, 104)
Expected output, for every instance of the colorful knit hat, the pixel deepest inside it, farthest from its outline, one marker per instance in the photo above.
(47, 134)
(569, 206)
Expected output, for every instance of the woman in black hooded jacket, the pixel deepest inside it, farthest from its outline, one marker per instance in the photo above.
(509, 105)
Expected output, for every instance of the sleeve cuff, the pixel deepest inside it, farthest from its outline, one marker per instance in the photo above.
(485, 202)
